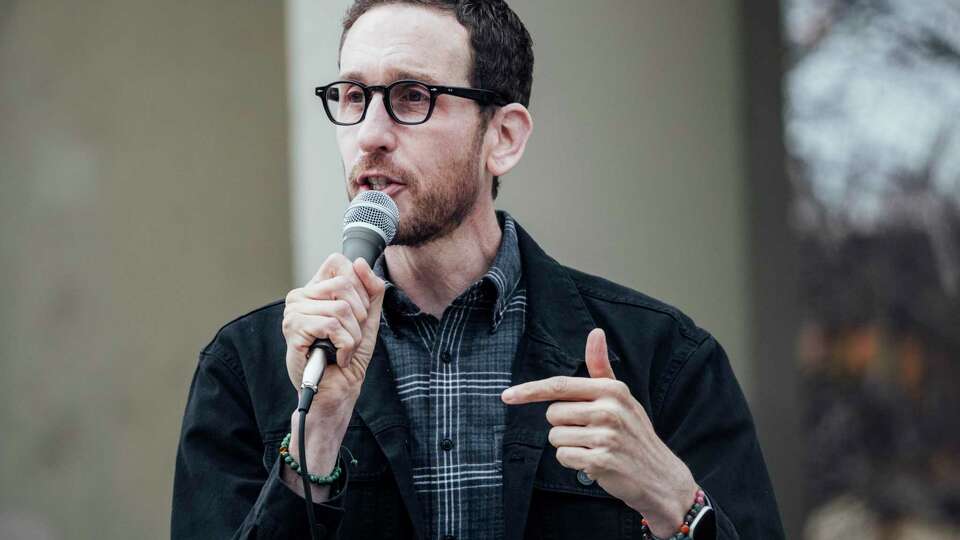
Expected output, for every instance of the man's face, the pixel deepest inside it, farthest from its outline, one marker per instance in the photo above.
(434, 169)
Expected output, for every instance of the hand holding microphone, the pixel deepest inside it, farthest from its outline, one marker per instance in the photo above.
(338, 310)
(341, 304)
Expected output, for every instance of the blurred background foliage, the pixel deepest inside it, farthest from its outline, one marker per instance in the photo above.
(873, 138)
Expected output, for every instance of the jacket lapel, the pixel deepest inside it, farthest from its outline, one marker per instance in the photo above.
(380, 409)
(553, 344)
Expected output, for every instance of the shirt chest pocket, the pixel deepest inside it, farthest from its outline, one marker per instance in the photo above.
(568, 504)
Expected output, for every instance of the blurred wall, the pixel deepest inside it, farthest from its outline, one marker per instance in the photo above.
(143, 202)
(634, 171)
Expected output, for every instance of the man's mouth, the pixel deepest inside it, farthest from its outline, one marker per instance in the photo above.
(378, 182)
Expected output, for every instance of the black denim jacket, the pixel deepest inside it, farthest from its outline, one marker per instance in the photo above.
(227, 482)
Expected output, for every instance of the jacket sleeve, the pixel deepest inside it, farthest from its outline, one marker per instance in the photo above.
(703, 417)
(222, 488)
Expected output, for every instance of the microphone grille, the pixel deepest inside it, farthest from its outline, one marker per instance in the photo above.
(376, 210)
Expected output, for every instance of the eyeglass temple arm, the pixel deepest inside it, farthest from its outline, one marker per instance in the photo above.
(484, 97)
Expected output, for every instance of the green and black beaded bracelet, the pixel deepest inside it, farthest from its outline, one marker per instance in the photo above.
(318, 479)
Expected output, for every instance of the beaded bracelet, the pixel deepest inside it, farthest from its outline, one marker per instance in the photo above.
(698, 501)
(320, 480)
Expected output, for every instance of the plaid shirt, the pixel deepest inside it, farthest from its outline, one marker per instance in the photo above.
(449, 375)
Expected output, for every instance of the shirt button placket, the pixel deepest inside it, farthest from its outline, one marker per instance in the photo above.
(446, 357)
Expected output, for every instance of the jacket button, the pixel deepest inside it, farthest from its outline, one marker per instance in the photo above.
(445, 356)
(446, 445)
(584, 479)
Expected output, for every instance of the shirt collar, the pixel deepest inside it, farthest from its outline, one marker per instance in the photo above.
(496, 286)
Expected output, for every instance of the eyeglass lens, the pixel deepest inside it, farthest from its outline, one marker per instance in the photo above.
(346, 102)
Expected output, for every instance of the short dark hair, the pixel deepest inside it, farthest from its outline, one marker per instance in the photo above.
(501, 46)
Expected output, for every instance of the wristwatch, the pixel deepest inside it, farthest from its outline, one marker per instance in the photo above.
(703, 526)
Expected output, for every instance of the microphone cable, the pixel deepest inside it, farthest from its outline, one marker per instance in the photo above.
(306, 398)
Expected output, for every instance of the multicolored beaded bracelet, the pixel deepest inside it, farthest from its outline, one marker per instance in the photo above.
(320, 480)
(698, 501)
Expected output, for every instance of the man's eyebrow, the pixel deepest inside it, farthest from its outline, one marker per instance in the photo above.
(394, 76)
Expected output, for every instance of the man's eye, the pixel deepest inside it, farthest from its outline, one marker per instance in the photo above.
(414, 96)
(355, 96)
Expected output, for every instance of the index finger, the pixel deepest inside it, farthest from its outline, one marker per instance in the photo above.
(557, 388)
(334, 265)
(338, 265)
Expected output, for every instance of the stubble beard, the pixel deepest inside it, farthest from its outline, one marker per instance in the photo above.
(441, 209)
(440, 205)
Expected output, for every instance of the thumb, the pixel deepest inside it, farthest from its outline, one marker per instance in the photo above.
(375, 290)
(598, 364)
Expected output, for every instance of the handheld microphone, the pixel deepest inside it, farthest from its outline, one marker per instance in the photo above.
(369, 224)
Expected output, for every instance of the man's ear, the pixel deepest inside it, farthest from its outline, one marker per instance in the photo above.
(507, 134)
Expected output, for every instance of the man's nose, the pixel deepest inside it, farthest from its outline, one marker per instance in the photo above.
(377, 131)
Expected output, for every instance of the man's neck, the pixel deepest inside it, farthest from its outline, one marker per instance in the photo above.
(434, 274)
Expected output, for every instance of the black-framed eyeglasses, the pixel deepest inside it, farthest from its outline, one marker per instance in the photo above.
(407, 102)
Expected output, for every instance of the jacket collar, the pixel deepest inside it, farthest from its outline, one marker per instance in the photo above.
(553, 344)
(557, 316)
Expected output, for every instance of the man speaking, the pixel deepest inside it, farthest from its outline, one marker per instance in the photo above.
(481, 389)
